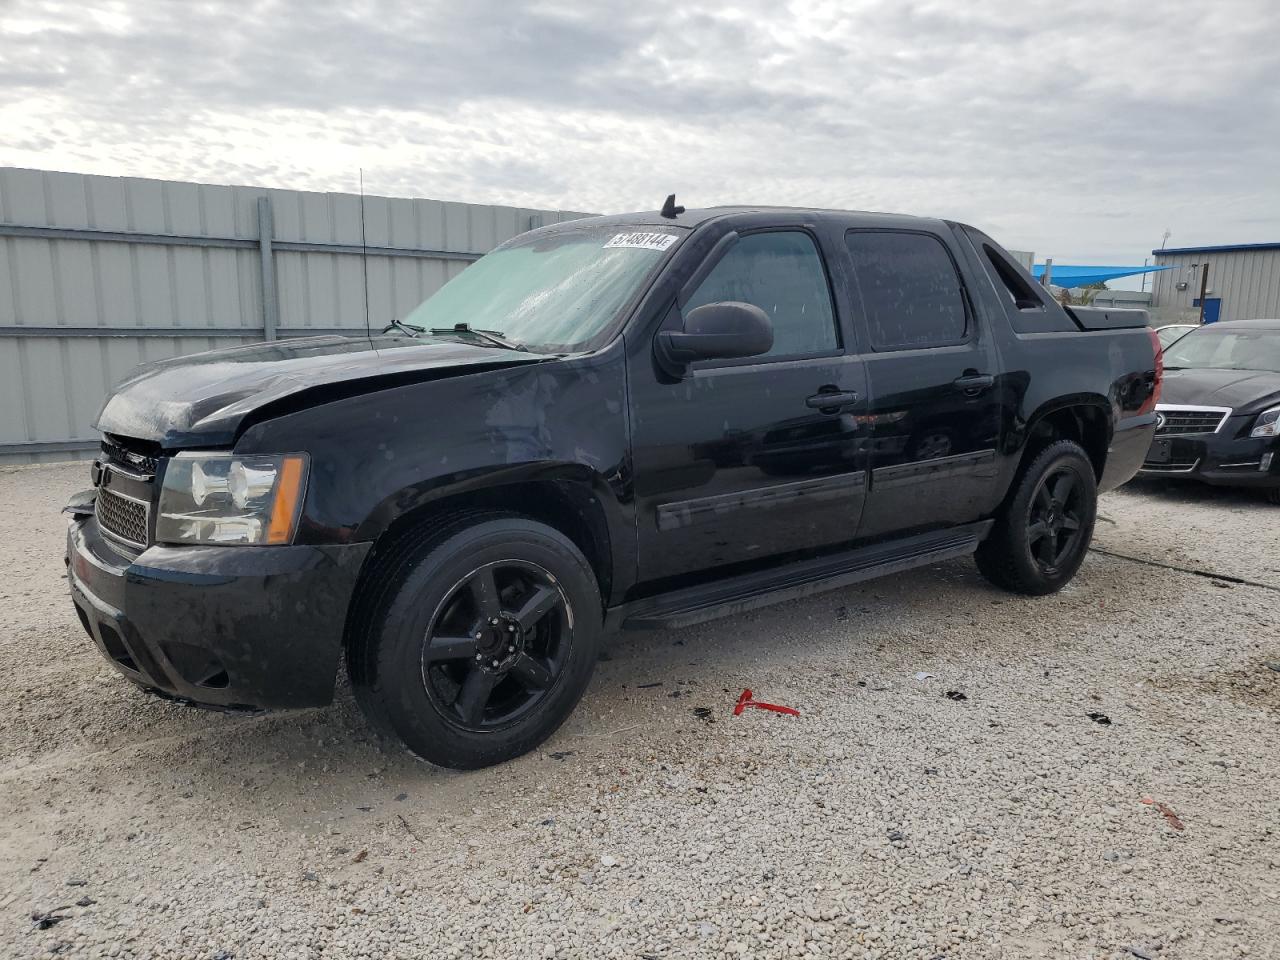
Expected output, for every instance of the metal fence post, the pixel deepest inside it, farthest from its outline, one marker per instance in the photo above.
(270, 304)
(1204, 289)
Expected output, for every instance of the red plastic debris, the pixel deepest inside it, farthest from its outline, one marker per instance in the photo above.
(745, 701)
(1167, 812)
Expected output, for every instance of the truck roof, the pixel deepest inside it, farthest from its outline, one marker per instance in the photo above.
(700, 215)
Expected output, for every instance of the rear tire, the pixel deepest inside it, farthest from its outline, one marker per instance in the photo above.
(1043, 531)
(1273, 495)
(476, 638)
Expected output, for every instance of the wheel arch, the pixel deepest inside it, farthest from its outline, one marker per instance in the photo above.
(1085, 419)
(569, 498)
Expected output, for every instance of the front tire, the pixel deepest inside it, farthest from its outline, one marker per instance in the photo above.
(477, 639)
(1043, 531)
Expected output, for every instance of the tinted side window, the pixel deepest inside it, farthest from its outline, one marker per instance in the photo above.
(910, 290)
(782, 274)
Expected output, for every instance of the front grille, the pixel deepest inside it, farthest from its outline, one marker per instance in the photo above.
(137, 456)
(1188, 420)
(122, 517)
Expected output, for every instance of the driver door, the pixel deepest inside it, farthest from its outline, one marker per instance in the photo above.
(740, 460)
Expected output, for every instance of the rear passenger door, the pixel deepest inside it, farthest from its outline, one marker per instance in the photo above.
(931, 367)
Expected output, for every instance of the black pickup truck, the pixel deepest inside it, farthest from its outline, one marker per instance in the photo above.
(628, 421)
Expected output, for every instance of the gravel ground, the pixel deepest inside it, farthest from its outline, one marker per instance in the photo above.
(886, 821)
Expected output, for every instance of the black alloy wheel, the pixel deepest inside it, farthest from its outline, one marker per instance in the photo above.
(1042, 531)
(497, 645)
(475, 636)
(1054, 524)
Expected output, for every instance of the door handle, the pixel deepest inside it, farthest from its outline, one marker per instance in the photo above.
(832, 400)
(974, 383)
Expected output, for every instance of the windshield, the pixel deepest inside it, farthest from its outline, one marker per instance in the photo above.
(555, 292)
(1168, 335)
(1223, 350)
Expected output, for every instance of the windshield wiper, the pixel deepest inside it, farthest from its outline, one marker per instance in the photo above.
(494, 337)
(406, 328)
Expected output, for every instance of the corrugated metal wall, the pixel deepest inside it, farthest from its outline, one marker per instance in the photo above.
(1248, 281)
(98, 274)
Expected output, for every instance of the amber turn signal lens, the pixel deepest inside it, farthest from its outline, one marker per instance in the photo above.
(284, 509)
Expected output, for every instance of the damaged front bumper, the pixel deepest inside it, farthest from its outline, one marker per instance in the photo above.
(227, 627)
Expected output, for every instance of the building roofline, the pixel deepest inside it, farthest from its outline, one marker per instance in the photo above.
(1221, 248)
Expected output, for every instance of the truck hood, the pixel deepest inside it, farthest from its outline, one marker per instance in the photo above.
(1241, 390)
(207, 399)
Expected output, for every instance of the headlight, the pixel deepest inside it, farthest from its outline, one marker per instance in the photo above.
(222, 498)
(1267, 424)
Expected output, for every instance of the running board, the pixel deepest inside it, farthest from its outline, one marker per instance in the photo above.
(682, 608)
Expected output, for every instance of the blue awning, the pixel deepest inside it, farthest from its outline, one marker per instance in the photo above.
(1067, 275)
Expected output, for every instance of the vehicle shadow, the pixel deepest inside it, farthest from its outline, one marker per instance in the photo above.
(1199, 494)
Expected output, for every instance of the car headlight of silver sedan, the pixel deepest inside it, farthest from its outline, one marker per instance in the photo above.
(1267, 424)
(220, 498)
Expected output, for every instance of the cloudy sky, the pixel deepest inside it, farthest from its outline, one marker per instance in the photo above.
(1081, 130)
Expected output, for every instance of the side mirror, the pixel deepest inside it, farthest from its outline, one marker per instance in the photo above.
(715, 331)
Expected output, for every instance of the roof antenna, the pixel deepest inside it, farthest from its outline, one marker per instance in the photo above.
(364, 260)
(670, 210)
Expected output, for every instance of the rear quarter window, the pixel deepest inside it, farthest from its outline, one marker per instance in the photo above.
(1028, 305)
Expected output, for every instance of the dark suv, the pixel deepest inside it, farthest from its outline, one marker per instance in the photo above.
(628, 421)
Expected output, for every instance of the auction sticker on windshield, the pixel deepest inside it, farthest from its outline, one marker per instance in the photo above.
(642, 241)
